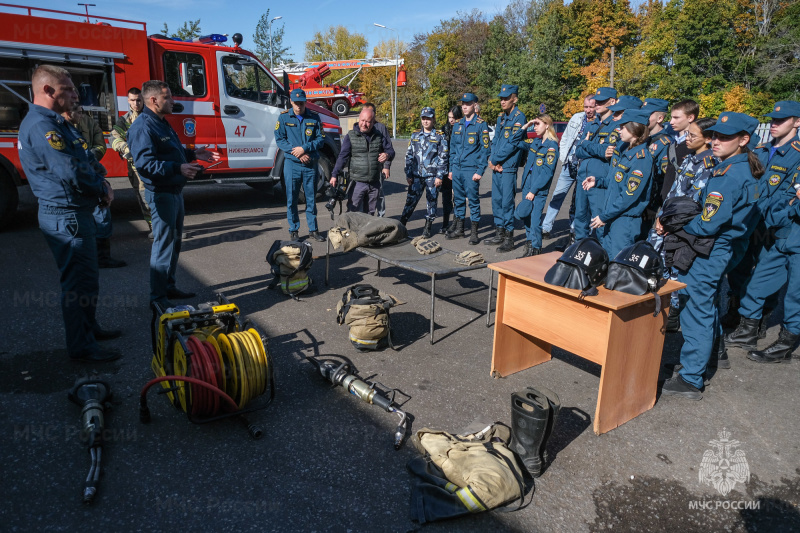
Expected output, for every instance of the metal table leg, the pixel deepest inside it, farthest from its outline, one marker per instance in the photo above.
(327, 259)
(489, 299)
(433, 302)
(378, 273)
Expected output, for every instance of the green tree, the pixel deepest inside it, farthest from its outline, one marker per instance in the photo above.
(261, 38)
(778, 57)
(189, 30)
(335, 43)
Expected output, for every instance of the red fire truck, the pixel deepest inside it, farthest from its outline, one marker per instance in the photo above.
(225, 97)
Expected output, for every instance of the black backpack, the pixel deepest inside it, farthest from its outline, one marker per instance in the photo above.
(290, 262)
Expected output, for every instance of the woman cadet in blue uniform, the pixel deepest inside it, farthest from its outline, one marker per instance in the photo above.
(536, 178)
(628, 185)
(729, 208)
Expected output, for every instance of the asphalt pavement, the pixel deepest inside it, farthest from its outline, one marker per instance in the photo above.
(326, 460)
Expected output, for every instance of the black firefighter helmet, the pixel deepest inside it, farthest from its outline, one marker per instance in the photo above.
(582, 266)
(637, 269)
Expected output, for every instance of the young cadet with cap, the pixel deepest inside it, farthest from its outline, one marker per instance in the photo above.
(729, 208)
(593, 162)
(68, 189)
(469, 153)
(788, 244)
(426, 166)
(780, 158)
(504, 161)
(299, 133)
(536, 178)
(164, 165)
(628, 184)
(658, 145)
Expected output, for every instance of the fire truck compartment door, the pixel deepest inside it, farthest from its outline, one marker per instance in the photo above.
(250, 100)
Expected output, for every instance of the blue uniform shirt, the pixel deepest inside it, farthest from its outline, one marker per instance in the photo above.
(505, 151)
(470, 146)
(307, 133)
(56, 163)
(659, 146)
(592, 152)
(778, 168)
(427, 155)
(729, 203)
(158, 153)
(790, 243)
(541, 165)
(628, 182)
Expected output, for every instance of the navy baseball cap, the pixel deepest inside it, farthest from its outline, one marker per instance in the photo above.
(468, 98)
(626, 102)
(508, 90)
(604, 93)
(297, 95)
(785, 109)
(427, 112)
(640, 116)
(730, 123)
(655, 104)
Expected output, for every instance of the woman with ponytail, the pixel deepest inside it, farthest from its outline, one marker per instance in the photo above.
(729, 211)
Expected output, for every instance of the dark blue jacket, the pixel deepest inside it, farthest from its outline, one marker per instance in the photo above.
(628, 181)
(307, 133)
(55, 162)
(158, 153)
(541, 165)
(592, 152)
(505, 151)
(470, 146)
(791, 243)
(775, 180)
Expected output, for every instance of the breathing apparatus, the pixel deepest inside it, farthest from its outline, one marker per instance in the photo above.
(91, 396)
(339, 373)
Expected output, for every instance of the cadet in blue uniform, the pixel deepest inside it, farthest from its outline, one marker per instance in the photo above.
(68, 189)
(780, 159)
(729, 208)
(469, 152)
(504, 161)
(426, 167)
(536, 178)
(658, 144)
(591, 152)
(164, 165)
(300, 135)
(628, 183)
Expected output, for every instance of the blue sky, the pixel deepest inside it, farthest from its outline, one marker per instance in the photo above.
(301, 21)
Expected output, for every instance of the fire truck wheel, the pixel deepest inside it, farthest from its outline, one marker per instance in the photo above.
(324, 169)
(341, 107)
(9, 198)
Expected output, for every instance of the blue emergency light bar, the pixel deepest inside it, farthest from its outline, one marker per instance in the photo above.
(208, 39)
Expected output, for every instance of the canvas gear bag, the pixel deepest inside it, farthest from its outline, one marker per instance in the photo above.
(365, 310)
(480, 473)
(290, 262)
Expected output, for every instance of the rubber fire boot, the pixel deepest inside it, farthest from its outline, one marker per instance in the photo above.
(762, 325)
(719, 354)
(508, 243)
(744, 336)
(731, 318)
(458, 230)
(526, 251)
(779, 351)
(473, 238)
(533, 415)
(499, 235)
(104, 259)
(428, 226)
(674, 320)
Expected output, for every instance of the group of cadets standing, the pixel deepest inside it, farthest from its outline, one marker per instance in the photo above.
(628, 164)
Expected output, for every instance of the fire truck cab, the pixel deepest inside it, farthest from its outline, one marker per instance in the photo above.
(226, 99)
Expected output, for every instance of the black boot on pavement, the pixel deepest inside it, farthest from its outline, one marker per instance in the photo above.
(458, 230)
(779, 351)
(677, 386)
(428, 227)
(508, 243)
(745, 335)
(473, 238)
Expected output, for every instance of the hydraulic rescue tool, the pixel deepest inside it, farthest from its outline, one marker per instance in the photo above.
(344, 374)
(210, 364)
(91, 396)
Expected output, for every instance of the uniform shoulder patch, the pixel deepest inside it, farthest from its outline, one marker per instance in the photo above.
(708, 161)
(722, 171)
(284, 111)
(640, 154)
(55, 140)
(760, 146)
(796, 145)
(711, 205)
(665, 141)
(480, 120)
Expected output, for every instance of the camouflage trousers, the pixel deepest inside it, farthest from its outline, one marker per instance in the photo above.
(415, 190)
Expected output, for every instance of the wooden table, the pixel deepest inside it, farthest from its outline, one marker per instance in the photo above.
(615, 330)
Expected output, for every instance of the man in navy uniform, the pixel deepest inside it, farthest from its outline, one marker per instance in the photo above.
(300, 135)
(68, 189)
(470, 148)
(505, 158)
(164, 165)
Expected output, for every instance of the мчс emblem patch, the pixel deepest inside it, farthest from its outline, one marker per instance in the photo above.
(55, 140)
(711, 205)
(774, 179)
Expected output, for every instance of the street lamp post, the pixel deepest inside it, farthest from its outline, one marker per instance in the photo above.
(269, 28)
(394, 85)
(87, 9)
